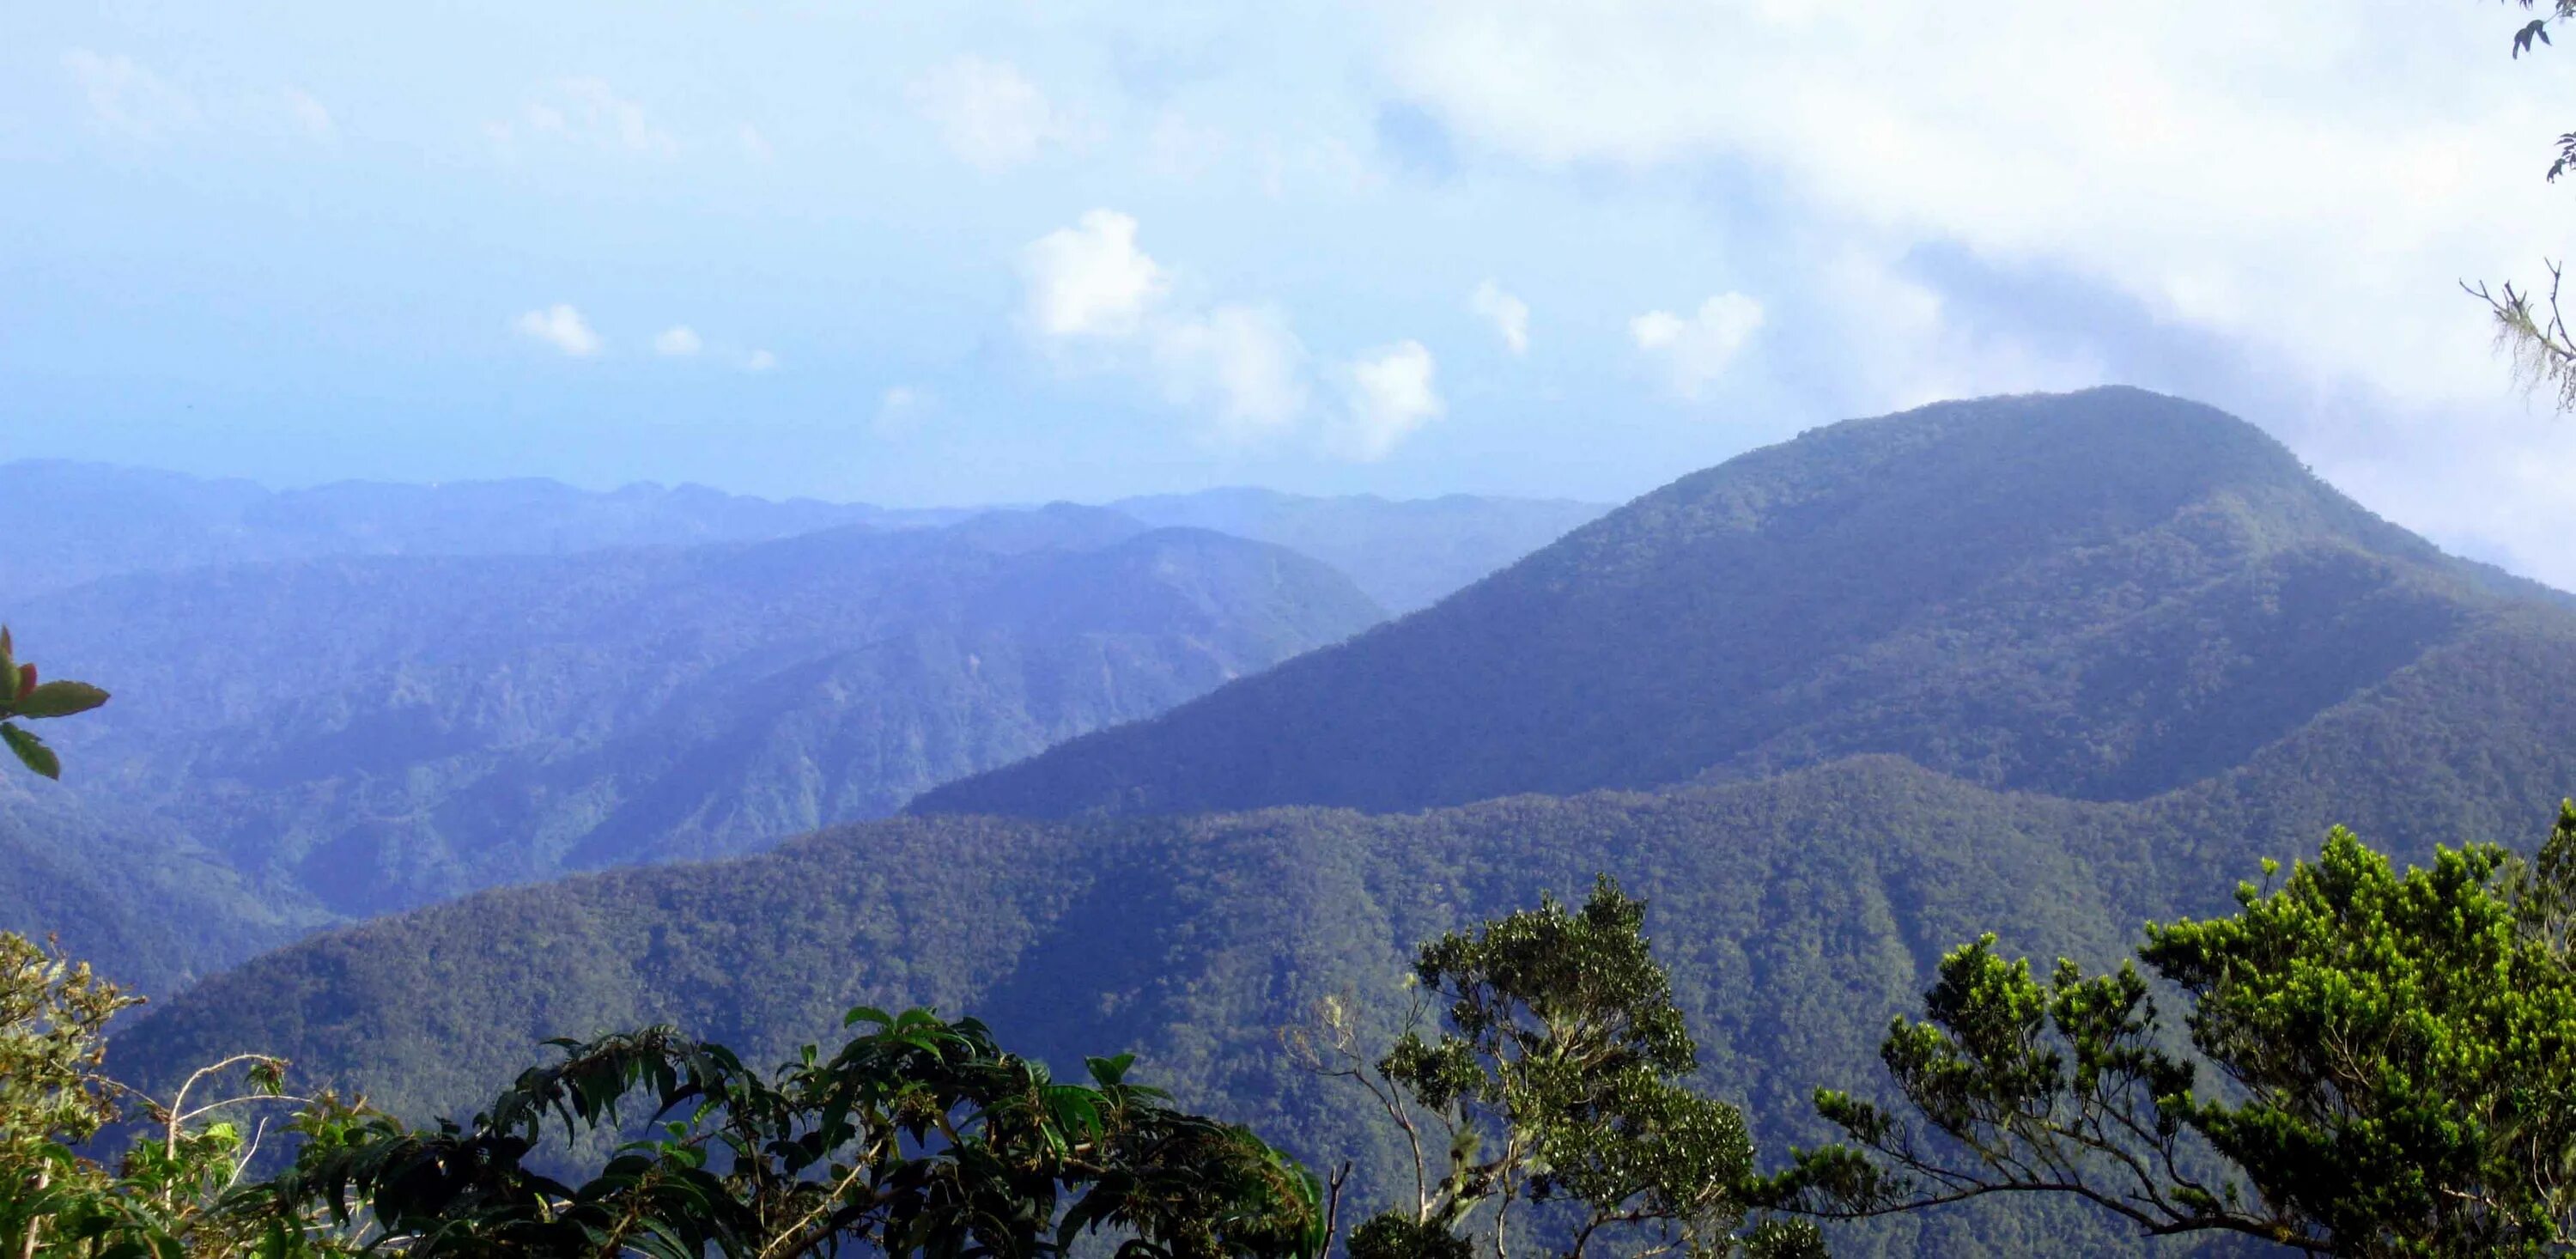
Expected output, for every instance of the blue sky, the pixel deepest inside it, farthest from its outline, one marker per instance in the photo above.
(936, 254)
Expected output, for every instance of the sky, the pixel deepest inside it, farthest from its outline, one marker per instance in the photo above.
(939, 254)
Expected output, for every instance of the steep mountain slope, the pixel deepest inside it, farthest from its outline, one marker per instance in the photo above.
(2102, 595)
(1796, 913)
(127, 891)
(2134, 654)
(1406, 554)
(372, 733)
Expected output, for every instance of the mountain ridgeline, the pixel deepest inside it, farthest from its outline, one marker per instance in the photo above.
(2102, 595)
(355, 698)
(2050, 666)
(377, 732)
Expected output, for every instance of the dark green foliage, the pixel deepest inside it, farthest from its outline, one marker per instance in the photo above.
(2104, 595)
(2381, 1064)
(1555, 1083)
(1796, 916)
(1394, 1235)
(918, 1137)
(23, 698)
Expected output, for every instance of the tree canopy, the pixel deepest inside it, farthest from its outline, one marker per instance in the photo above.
(1554, 1080)
(2380, 1063)
(919, 1136)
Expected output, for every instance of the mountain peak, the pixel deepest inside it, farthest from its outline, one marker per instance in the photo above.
(2101, 594)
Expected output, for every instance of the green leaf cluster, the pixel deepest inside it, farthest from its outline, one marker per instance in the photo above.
(23, 697)
(1555, 1080)
(919, 1136)
(2379, 1063)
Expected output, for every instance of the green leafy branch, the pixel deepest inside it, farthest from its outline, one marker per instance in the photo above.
(2396, 1055)
(23, 697)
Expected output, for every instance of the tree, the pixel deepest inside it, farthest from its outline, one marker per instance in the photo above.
(921, 1136)
(2529, 325)
(2396, 1058)
(1555, 1082)
(22, 697)
(53, 1096)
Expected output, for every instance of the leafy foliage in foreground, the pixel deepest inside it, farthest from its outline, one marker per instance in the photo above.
(2397, 1055)
(1796, 915)
(919, 1137)
(23, 697)
(1556, 1082)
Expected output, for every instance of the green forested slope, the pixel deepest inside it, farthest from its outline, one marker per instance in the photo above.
(1797, 914)
(2048, 666)
(359, 734)
(128, 890)
(2101, 595)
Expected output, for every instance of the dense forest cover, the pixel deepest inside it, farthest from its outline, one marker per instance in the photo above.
(2102, 595)
(348, 736)
(2121, 652)
(358, 698)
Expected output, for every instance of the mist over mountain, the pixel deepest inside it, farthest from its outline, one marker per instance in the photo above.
(85, 521)
(1407, 554)
(79, 522)
(2101, 595)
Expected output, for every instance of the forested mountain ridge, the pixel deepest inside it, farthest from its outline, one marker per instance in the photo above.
(357, 734)
(1796, 913)
(2155, 654)
(2103, 595)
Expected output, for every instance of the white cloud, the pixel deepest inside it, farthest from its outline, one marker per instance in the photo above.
(1508, 314)
(988, 114)
(1392, 393)
(126, 98)
(1090, 280)
(902, 410)
(2276, 199)
(586, 112)
(1239, 365)
(759, 361)
(2284, 173)
(562, 327)
(1914, 351)
(1696, 351)
(678, 341)
(311, 115)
